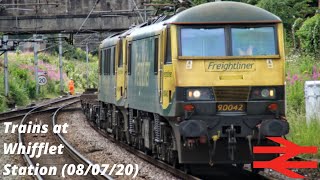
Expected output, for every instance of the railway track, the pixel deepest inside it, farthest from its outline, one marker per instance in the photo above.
(43, 117)
(72, 151)
(221, 171)
(176, 172)
(20, 113)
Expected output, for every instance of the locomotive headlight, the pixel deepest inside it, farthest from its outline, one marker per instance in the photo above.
(199, 94)
(196, 94)
(263, 93)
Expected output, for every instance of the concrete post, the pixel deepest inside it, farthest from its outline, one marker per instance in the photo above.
(6, 74)
(35, 52)
(312, 100)
(60, 64)
(87, 59)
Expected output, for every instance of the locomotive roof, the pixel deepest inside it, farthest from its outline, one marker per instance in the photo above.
(224, 12)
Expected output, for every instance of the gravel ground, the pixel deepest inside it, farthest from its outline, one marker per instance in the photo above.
(47, 160)
(9, 159)
(15, 159)
(309, 174)
(312, 174)
(102, 151)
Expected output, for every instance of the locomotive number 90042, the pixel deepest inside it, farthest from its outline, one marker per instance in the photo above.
(227, 107)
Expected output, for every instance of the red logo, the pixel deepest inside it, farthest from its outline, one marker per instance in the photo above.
(281, 163)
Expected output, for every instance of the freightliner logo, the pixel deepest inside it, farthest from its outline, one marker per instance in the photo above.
(230, 66)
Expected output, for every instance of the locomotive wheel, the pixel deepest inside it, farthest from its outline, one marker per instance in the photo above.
(91, 114)
(172, 155)
(174, 160)
(85, 110)
(97, 118)
(140, 144)
(116, 134)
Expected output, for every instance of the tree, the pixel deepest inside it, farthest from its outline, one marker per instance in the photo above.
(288, 10)
(309, 35)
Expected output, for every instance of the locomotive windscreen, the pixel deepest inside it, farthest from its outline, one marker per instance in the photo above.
(203, 42)
(228, 41)
(253, 41)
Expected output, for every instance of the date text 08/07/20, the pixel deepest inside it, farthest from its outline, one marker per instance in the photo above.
(72, 169)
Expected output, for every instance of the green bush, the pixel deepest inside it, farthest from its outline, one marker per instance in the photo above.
(78, 71)
(31, 89)
(17, 94)
(3, 102)
(296, 26)
(309, 35)
(44, 57)
(295, 96)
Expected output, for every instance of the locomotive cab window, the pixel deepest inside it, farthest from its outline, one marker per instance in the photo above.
(129, 58)
(156, 54)
(228, 41)
(168, 59)
(203, 42)
(113, 60)
(107, 61)
(120, 61)
(253, 41)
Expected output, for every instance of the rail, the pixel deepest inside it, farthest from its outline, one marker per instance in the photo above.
(25, 116)
(20, 113)
(72, 151)
(176, 172)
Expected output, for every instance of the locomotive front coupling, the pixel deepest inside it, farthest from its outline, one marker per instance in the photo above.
(231, 133)
(198, 128)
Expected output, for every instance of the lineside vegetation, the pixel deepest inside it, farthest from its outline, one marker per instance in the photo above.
(22, 82)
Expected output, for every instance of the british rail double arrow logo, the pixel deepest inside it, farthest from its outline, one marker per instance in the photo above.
(281, 163)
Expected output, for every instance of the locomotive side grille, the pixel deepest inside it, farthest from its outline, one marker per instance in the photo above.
(231, 93)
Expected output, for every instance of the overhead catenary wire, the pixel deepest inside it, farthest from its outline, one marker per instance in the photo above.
(94, 6)
(136, 7)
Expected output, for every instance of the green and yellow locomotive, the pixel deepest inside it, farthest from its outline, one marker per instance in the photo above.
(203, 86)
